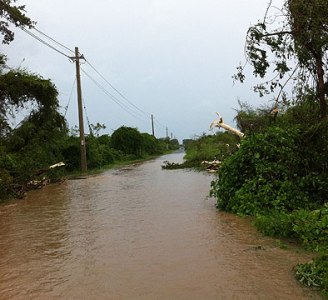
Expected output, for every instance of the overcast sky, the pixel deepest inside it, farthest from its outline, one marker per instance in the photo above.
(170, 58)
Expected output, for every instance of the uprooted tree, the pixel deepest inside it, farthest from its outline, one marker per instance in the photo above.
(296, 37)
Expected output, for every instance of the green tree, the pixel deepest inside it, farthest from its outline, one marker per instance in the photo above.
(128, 140)
(37, 141)
(24, 90)
(12, 14)
(299, 32)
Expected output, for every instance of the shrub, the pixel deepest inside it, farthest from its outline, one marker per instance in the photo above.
(128, 140)
(274, 223)
(269, 172)
(314, 273)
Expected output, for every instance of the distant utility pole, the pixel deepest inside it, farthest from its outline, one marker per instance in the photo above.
(167, 132)
(152, 125)
(80, 109)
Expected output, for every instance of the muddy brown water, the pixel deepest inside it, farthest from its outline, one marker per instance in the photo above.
(138, 232)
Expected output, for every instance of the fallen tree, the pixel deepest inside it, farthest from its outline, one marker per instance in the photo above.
(220, 123)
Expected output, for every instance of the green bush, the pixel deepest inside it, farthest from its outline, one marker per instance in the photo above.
(210, 147)
(269, 171)
(314, 273)
(128, 140)
(151, 145)
(275, 224)
(311, 227)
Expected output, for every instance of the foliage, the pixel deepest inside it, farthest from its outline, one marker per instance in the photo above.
(128, 140)
(275, 224)
(20, 89)
(151, 145)
(134, 144)
(35, 142)
(205, 148)
(311, 227)
(169, 144)
(250, 120)
(283, 168)
(12, 14)
(297, 33)
(261, 174)
(210, 147)
(100, 154)
(314, 273)
(280, 176)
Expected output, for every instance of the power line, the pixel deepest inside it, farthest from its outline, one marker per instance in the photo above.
(116, 90)
(86, 116)
(137, 114)
(159, 123)
(43, 42)
(125, 98)
(70, 97)
(124, 107)
(52, 39)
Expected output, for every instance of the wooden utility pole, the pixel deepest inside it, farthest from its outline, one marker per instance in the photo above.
(80, 109)
(167, 132)
(152, 125)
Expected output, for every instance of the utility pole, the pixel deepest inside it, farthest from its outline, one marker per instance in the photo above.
(152, 125)
(167, 132)
(80, 109)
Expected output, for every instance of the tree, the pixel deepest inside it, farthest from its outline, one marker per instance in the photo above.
(128, 140)
(13, 14)
(20, 89)
(297, 38)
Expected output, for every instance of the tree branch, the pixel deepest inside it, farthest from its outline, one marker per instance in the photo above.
(278, 33)
(221, 124)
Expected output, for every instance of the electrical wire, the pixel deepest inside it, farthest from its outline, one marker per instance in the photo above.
(52, 39)
(139, 114)
(124, 107)
(159, 123)
(116, 90)
(44, 42)
(87, 118)
(70, 97)
(125, 98)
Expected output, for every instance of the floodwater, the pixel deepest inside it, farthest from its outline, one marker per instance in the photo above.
(138, 232)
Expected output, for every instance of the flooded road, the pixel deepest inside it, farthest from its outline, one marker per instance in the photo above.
(138, 232)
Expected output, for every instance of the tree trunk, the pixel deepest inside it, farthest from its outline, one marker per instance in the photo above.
(220, 123)
(321, 88)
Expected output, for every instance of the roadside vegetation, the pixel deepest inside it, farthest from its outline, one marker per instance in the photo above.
(280, 176)
(40, 136)
(280, 173)
(42, 139)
